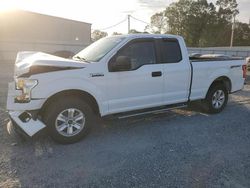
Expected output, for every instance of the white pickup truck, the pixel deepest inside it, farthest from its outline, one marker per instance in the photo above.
(121, 75)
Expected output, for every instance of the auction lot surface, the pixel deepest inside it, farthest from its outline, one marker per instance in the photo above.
(181, 148)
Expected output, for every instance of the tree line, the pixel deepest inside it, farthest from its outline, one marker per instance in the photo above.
(202, 24)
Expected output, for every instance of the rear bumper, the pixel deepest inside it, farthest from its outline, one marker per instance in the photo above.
(25, 123)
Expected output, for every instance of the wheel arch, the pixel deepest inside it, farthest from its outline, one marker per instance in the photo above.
(87, 97)
(222, 80)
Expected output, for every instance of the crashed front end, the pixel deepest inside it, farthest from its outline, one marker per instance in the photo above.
(23, 110)
(22, 106)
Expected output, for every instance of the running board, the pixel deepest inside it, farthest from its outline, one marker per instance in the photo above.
(151, 111)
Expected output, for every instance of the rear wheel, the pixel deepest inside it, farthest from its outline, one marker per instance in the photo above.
(69, 120)
(216, 99)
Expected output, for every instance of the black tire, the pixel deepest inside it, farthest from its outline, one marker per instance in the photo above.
(52, 112)
(14, 133)
(209, 102)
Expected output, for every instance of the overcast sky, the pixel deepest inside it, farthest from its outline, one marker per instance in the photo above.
(103, 14)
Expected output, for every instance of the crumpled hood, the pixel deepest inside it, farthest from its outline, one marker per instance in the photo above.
(42, 62)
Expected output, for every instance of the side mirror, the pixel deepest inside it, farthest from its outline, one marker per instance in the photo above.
(121, 63)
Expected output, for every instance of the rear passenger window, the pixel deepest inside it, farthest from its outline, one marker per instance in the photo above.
(170, 51)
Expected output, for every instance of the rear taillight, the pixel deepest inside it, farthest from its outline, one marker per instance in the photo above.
(244, 69)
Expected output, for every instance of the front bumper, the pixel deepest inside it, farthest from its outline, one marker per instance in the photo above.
(19, 112)
(26, 122)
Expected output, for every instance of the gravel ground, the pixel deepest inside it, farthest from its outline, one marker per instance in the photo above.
(181, 148)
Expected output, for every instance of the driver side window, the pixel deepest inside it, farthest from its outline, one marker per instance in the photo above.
(140, 53)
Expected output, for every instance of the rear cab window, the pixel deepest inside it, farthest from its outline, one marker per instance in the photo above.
(170, 51)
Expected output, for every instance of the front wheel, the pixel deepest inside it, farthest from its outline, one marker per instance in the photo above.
(68, 120)
(216, 99)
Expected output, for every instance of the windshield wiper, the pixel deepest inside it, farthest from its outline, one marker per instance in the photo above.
(80, 58)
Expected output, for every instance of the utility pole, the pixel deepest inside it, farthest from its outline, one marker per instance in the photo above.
(232, 34)
(128, 23)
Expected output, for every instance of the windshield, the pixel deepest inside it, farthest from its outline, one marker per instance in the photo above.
(98, 49)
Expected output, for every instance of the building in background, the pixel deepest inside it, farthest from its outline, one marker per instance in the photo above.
(28, 31)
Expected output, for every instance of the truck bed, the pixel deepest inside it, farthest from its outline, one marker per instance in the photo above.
(204, 74)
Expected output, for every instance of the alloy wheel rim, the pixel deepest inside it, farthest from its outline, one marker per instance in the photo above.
(218, 99)
(70, 122)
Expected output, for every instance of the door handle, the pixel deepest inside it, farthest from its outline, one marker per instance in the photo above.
(156, 74)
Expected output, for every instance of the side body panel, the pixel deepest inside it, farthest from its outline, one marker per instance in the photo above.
(132, 90)
(205, 73)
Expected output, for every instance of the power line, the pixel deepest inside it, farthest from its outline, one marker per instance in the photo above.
(106, 28)
(140, 20)
(148, 24)
(127, 19)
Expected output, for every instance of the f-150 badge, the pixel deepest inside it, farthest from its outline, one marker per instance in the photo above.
(96, 74)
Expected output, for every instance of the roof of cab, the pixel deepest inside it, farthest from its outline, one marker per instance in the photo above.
(151, 36)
